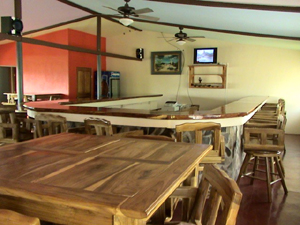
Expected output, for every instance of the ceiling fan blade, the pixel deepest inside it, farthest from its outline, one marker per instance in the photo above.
(190, 39)
(144, 10)
(110, 8)
(147, 17)
(196, 37)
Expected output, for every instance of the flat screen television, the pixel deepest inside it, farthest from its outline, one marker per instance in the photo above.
(205, 55)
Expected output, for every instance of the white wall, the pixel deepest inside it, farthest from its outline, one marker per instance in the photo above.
(253, 70)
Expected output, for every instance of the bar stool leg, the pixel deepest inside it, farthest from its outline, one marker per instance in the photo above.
(281, 165)
(255, 167)
(268, 179)
(281, 175)
(244, 166)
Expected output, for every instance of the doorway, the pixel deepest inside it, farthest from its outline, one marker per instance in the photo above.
(84, 83)
(7, 82)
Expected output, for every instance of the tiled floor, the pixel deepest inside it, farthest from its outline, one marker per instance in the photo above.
(284, 210)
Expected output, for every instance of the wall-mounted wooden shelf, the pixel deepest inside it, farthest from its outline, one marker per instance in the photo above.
(213, 76)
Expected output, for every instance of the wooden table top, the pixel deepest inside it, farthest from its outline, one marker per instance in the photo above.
(85, 179)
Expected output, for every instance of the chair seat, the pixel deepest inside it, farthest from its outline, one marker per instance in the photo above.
(263, 153)
(9, 217)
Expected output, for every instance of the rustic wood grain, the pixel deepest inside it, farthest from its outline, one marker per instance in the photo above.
(85, 179)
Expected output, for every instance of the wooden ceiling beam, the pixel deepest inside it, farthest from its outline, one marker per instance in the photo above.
(64, 47)
(277, 8)
(58, 25)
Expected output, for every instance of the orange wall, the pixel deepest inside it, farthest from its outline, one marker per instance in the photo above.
(8, 54)
(45, 69)
(51, 70)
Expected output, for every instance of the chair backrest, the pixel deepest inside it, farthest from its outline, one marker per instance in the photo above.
(98, 126)
(213, 130)
(269, 139)
(8, 217)
(9, 129)
(281, 122)
(48, 124)
(215, 187)
(151, 137)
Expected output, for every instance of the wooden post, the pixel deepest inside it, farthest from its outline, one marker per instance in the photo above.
(18, 14)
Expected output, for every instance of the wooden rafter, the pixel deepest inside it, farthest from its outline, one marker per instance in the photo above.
(277, 8)
(65, 47)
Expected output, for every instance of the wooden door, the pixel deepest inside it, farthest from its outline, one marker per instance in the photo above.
(84, 83)
(7, 81)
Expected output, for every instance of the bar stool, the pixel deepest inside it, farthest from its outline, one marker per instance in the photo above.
(259, 145)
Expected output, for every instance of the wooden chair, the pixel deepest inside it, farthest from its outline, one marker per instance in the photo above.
(217, 154)
(265, 144)
(48, 124)
(98, 126)
(215, 189)
(9, 217)
(9, 130)
(140, 135)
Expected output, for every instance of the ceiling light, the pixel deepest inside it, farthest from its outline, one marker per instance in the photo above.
(180, 42)
(126, 21)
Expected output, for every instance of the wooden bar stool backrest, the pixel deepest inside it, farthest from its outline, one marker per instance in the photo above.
(9, 217)
(215, 187)
(199, 128)
(48, 124)
(98, 126)
(264, 139)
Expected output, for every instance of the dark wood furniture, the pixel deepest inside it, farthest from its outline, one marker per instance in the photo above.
(87, 179)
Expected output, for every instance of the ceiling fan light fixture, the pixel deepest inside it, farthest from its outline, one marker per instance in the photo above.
(180, 42)
(126, 21)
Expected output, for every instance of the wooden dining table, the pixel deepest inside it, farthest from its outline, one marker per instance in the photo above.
(85, 179)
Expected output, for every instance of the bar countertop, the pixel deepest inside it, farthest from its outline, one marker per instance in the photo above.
(243, 109)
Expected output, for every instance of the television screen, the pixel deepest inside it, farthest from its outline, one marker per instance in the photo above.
(205, 55)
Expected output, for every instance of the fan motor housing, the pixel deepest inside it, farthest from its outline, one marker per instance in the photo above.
(181, 35)
(126, 9)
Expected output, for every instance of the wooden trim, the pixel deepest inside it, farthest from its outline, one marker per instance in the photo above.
(294, 9)
(65, 47)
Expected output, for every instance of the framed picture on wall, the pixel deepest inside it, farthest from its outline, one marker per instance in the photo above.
(166, 62)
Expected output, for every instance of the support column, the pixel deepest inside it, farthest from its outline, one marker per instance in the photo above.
(99, 77)
(18, 14)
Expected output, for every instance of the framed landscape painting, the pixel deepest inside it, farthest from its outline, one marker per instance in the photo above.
(166, 62)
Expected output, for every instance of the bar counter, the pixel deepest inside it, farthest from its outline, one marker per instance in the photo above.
(131, 111)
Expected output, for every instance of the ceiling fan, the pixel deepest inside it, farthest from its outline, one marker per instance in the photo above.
(126, 11)
(182, 37)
